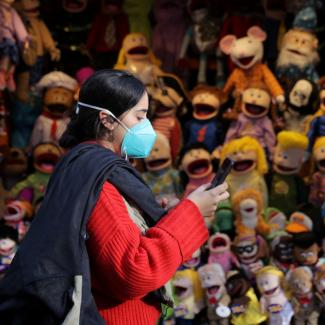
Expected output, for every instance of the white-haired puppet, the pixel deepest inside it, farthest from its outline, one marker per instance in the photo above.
(58, 93)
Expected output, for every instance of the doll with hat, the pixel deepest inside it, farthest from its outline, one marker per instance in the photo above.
(8, 247)
(213, 280)
(205, 125)
(253, 120)
(163, 179)
(303, 299)
(286, 188)
(58, 95)
(244, 305)
(14, 37)
(249, 167)
(188, 295)
(247, 53)
(274, 301)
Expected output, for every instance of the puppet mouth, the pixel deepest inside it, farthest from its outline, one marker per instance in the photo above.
(296, 52)
(249, 210)
(204, 109)
(254, 109)
(57, 108)
(213, 290)
(6, 251)
(163, 109)
(271, 291)
(158, 162)
(285, 168)
(243, 165)
(74, 5)
(247, 60)
(321, 163)
(13, 213)
(47, 161)
(142, 50)
(219, 242)
(180, 291)
(199, 167)
(32, 10)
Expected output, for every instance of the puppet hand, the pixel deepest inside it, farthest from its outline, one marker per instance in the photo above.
(207, 201)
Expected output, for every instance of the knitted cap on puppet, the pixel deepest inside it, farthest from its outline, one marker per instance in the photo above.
(57, 79)
(306, 19)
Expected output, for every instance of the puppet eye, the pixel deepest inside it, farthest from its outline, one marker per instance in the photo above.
(297, 40)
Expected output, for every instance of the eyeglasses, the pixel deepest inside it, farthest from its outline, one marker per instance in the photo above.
(245, 249)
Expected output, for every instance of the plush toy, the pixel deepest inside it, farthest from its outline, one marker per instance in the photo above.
(317, 184)
(299, 105)
(188, 293)
(224, 219)
(249, 168)
(14, 37)
(303, 300)
(274, 302)
(220, 252)
(282, 252)
(248, 208)
(136, 57)
(298, 53)
(319, 282)
(245, 308)
(203, 33)
(45, 157)
(252, 253)
(162, 178)
(205, 127)
(58, 95)
(253, 120)
(247, 54)
(287, 190)
(213, 280)
(107, 32)
(8, 247)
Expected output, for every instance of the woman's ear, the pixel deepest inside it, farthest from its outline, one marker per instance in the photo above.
(107, 120)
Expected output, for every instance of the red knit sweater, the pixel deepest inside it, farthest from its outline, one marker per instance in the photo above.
(126, 266)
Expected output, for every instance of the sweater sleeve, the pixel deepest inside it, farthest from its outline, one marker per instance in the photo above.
(128, 265)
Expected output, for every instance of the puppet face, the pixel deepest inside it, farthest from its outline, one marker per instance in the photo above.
(245, 161)
(283, 251)
(160, 156)
(167, 100)
(206, 105)
(256, 102)
(212, 279)
(195, 259)
(136, 47)
(300, 281)
(298, 48)
(219, 243)
(74, 6)
(183, 287)
(197, 163)
(14, 162)
(31, 7)
(319, 155)
(322, 100)
(7, 246)
(237, 286)
(300, 93)
(247, 250)
(57, 100)
(268, 284)
(46, 156)
(287, 161)
(306, 256)
(248, 212)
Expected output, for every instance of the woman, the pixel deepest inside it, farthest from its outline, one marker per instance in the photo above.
(134, 246)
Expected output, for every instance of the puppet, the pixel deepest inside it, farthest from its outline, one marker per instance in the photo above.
(245, 308)
(249, 168)
(274, 302)
(194, 262)
(58, 96)
(220, 252)
(319, 282)
(213, 281)
(248, 208)
(162, 178)
(14, 37)
(247, 54)
(8, 247)
(287, 189)
(303, 300)
(224, 219)
(253, 120)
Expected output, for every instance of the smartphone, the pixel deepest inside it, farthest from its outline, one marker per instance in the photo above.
(222, 173)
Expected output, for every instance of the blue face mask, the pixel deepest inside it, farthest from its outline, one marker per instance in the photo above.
(138, 140)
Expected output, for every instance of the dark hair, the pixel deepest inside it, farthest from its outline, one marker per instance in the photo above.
(116, 90)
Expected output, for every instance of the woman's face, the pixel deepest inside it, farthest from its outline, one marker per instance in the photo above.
(133, 116)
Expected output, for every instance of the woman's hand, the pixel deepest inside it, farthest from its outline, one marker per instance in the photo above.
(207, 201)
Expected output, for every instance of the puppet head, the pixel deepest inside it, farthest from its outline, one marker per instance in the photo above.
(269, 281)
(59, 90)
(45, 157)
(319, 280)
(256, 100)
(8, 240)
(289, 152)
(160, 155)
(247, 154)
(206, 101)
(219, 243)
(282, 248)
(321, 84)
(31, 7)
(196, 162)
(300, 281)
(319, 153)
(198, 10)
(305, 248)
(299, 222)
(17, 211)
(245, 52)
(194, 261)
(14, 163)
(248, 206)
